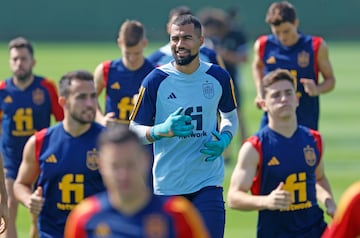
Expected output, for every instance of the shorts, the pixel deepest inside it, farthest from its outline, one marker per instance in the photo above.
(209, 201)
(11, 166)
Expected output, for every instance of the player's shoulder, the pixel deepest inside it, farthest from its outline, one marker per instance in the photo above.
(207, 50)
(157, 75)
(88, 206)
(176, 204)
(46, 82)
(3, 84)
(97, 127)
(216, 71)
(309, 131)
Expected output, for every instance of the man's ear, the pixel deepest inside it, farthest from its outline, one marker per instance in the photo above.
(119, 42)
(62, 101)
(262, 105)
(296, 23)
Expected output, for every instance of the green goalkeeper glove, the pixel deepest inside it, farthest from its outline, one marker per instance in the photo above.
(175, 125)
(214, 148)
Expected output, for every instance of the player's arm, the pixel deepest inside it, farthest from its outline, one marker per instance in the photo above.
(28, 173)
(325, 69)
(4, 212)
(323, 190)
(257, 70)
(99, 87)
(241, 181)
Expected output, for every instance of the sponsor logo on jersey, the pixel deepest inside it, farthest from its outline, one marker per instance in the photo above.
(115, 85)
(273, 161)
(38, 96)
(303, 59)
(310, 156)
(155, 226)
(92, 158)
(51, 159)
(271, 60)
(208, 90)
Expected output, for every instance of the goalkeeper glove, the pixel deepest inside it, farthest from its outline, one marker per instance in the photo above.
(214, 148)
(175, 125)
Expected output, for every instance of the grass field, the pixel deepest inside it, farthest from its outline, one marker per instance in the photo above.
(339, 122)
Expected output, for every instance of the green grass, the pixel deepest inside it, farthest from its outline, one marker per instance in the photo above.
(339, 122)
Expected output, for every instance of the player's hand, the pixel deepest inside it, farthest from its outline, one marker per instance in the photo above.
(4, 216)
(257, 101)
(309, 87)
(36, 201)
(175, 125)
(214, 148)
(278, 199)
(330, 207)
(109, 119)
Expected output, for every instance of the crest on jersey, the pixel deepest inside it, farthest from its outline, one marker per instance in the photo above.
(38, 96)
(310, 155)
(155, 225)
(92, 158)
(303, 59)
(208, 90)
(102, 230)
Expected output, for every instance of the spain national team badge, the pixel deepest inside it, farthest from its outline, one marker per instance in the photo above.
(303, 59)
(92, 158)
(208, 90)
(38, 96)
(102, 230)
(310, 156)
(155, 226)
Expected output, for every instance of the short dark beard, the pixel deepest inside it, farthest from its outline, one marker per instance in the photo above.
(24, 77)
(184, 61)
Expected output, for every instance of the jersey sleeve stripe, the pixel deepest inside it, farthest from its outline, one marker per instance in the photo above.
(137, 104)
(56, 109)
(255, 187)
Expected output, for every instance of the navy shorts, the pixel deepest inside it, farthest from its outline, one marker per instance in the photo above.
(210, 203)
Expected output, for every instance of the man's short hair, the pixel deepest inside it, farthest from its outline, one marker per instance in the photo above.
(21, 42)
(66, 80)
(275, 76)
(189, 19)
(178, 11)
(131, 32)
(280, 12)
